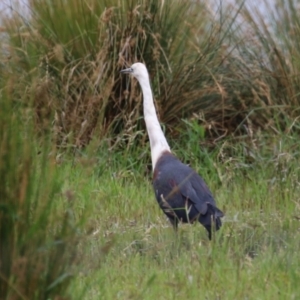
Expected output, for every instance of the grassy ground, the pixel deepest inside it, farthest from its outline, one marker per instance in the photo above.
(132, 252)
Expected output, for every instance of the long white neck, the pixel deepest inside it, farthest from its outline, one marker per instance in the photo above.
(158, 142)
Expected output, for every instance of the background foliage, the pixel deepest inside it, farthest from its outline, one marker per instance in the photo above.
(231, 78)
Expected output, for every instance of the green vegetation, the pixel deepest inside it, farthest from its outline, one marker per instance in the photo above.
(254, 256)
(39, 233)
(78, 217)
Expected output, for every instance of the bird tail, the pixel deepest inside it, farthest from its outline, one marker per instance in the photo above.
(212, 219)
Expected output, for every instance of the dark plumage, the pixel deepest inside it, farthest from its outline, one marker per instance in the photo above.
(183, 195)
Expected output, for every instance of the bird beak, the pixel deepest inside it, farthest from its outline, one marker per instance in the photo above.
(126, 71)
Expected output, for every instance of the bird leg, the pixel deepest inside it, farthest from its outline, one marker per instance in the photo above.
(174, 222)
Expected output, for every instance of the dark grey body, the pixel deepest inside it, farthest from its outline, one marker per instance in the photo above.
(183, 195)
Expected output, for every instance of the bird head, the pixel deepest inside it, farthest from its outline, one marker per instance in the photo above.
(138, 70)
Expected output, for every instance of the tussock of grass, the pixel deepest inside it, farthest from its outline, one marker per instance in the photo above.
(39, 233)
(231, 78)
(77, 63)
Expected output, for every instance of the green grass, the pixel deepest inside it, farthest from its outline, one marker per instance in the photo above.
(133, 253)
(39, 233)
